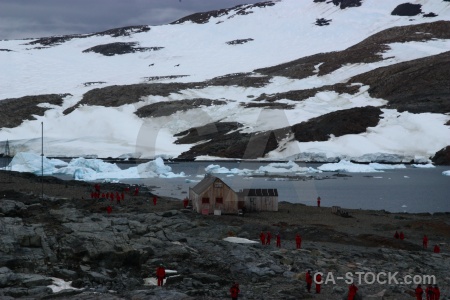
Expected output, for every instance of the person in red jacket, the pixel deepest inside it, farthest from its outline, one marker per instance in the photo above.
(109, 209)
(425, 242)
(436, 249)
(160, 274)
(318, 201)
(419, 292)
(402, 235)
(437, 292)
(268, 237)
(154, 200)
(352, 289)
(185, 202)
(309, 280)
(278, 240)
(234, 291)
(318, 283)
(429, 292)
(396, 235)
(136, 191)
(262, 237)
(298, 241)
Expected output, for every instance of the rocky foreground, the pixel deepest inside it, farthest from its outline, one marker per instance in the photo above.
(68, 235)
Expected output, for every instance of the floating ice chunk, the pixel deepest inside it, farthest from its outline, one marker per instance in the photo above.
(347, 166)
(378, 166)
(31, 163)
(288, 167)
(423, 166)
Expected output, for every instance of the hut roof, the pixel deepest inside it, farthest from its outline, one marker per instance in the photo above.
(206, 183)
(259, 192)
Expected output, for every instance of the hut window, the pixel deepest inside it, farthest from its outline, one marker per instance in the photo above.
(219, 200)
(205, 200)
(218, 184)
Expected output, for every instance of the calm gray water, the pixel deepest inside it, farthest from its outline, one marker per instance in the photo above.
(400, 190)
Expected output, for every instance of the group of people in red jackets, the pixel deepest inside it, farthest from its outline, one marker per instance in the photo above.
(401, 236)
(98, 194)
(352, 289)
(431, 292)
(266, 237)
(309, 281)
(436, 248)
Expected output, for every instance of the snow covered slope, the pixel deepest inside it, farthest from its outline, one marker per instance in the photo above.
(132, 72)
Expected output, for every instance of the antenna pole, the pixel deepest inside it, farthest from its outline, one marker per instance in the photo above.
(42, 160)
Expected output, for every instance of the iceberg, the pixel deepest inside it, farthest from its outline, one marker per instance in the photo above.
(32, 163)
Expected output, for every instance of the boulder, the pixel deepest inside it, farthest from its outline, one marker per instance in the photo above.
(10, 207)
(442, 157)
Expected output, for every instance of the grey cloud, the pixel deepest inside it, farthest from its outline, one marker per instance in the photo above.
(31, 18)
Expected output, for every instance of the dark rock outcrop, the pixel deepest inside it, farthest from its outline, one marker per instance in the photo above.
(204, 17)
(156, 78)
(209, 131)
(407, 9)
(347, 3)
(442, 157)
(338, 123)
(14, 111)
(417, 86)
(168, 108)
(120, 48)
(322, 22)
(116, 32)
(93, 83)
(239, 42)
(224, 140)
(342, 3)
(117, 95)
(269, 105)
(430, 15)
(239, 79)
(300, 95)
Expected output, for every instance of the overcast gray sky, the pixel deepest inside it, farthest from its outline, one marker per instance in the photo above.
(40, 18)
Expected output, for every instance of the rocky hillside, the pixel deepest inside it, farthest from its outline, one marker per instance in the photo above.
(111, 256)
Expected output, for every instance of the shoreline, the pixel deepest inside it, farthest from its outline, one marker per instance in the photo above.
(78, 189)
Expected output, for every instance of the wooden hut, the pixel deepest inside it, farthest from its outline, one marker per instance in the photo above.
(213, 196)
(259, 199)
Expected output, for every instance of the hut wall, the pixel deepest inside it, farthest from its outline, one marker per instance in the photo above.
(217, 196)
(261, 203)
